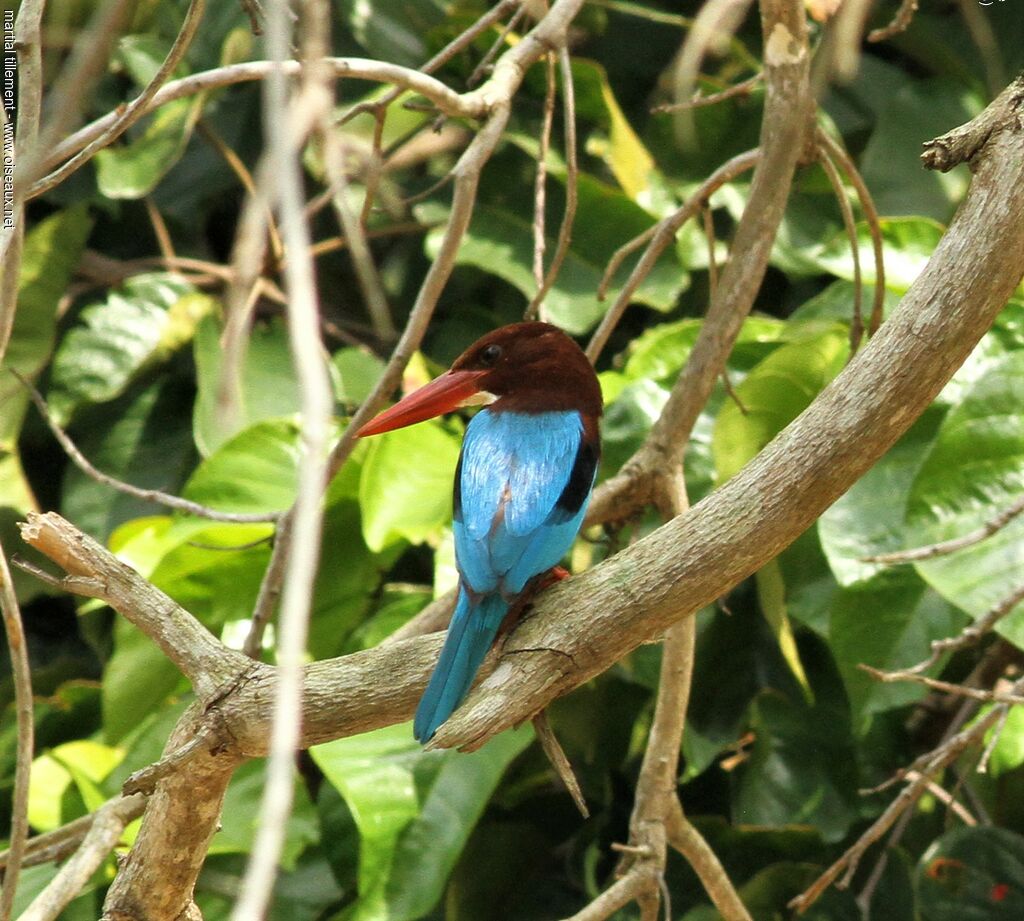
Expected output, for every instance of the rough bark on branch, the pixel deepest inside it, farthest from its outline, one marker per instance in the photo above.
(580, 627)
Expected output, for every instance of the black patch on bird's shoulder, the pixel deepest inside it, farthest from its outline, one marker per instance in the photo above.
(581, 479)
(457, 491)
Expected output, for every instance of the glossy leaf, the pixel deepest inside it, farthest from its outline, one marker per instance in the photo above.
(51, 251)
(138, 325)
(974, 471)
(268, 387)
(405, 491)
(414, 810)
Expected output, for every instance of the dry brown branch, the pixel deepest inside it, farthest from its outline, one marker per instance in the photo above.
(919, 777)
(867, 204)
(571, 183)
(857, 321)
(658, 239)
(21, 673)
(549, 742)
(58, 844)
(973, 632)
(288, 119)
(699, 99)
(104, 833)
(444, 98)
(535, 309)
(944, 548)
(900, 22)
(947, 687)
(965, 143)
(126, 116)
(148, 495)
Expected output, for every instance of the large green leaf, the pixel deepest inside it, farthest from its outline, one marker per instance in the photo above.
(140, 324)
(51, 252)
(255, 471)
(500, 241)
(148, 443)
(801, 769)
(868, 519)
(773, 394)
(917, 112)
(241, 810)
(972, 874)
(405, 491)
(268, 387)
(887, 622)
(414, 810)
(975, 470)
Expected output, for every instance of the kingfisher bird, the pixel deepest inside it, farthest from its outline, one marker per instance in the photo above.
(522, 485)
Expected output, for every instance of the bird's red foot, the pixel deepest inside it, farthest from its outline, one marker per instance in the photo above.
(533, 588)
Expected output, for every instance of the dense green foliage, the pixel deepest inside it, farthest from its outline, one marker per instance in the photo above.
(784, 731)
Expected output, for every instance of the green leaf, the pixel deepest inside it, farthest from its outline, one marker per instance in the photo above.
(801, 769)
(974, 471)
(254, 471)
(51, 252)
(268, 386)
(146, 442)
(972, 874)
(887, 622)
(405, 491)
(917, 112)
(869, 518)
(241, 810)
(814, 247)
(1007, 741)
(358, 373)
(139, 325)
(414, 810)
(500, 241)
(82, 763)
(774, 393)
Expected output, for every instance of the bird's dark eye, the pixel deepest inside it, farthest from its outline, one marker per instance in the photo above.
(491, 354)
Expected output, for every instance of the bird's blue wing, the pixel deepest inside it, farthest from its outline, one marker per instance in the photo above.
(521, 493)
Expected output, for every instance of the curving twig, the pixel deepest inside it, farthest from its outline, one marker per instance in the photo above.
(946, 547)
(148, 495)
(21, 672)
(899, 23)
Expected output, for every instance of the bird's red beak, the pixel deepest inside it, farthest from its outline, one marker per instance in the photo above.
(441, 395)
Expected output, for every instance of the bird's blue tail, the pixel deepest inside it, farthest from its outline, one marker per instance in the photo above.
(471, 633)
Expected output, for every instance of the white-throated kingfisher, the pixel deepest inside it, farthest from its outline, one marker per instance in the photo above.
(522, 484)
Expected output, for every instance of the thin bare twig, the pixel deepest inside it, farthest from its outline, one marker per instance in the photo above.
(899, 23)
(947, 687)
(857, 321)
(867, 205)
(699, 100)
(131, 113)
(944, 548)
(923, 770)
(22, 674)
(571, 182)
(660, 236)
(485, 62)
(148, 495)
(972, 633)
(105, 830)
(287, 122)
(553, 749)
(535, 309)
